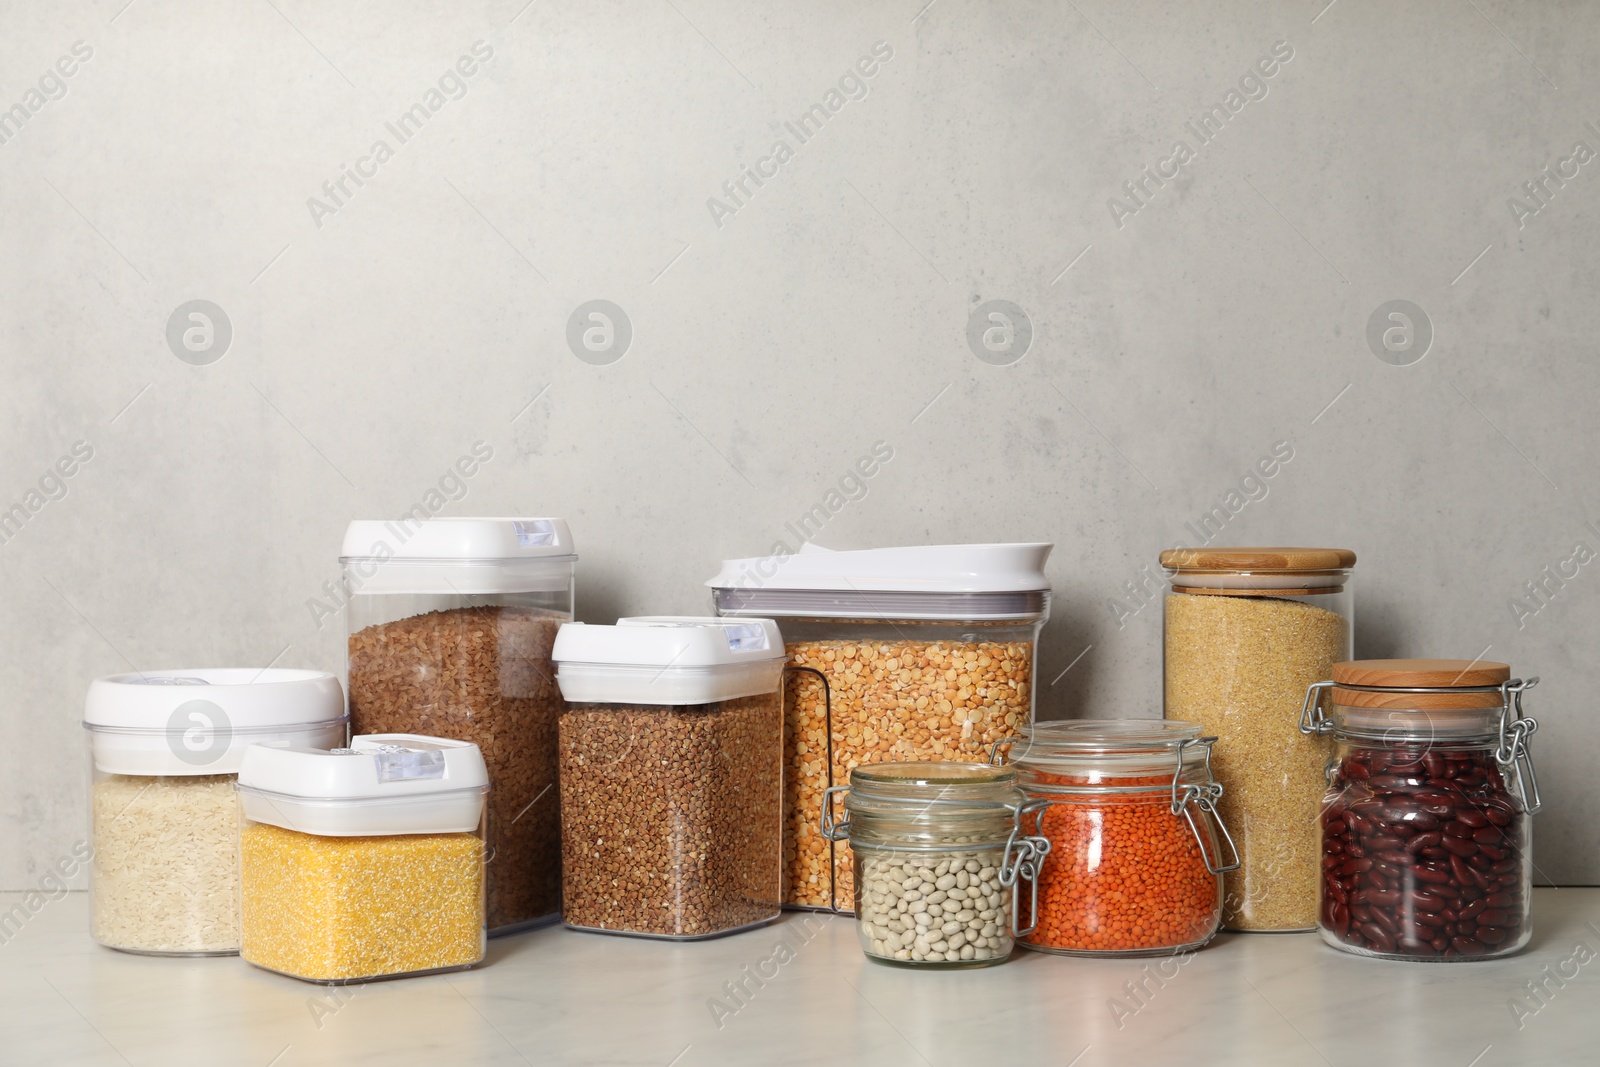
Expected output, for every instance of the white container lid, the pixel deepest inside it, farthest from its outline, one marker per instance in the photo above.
(382, 784)
(192, 722)
(466, 556)
(668, 659)
(998, 581)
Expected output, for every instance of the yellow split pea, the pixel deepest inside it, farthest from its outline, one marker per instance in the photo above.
(332, 909)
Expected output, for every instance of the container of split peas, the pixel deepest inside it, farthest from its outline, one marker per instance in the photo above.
(363, 862)
(938, 859)
(1135, 859)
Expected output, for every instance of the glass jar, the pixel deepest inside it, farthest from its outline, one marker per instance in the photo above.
(1246, 630)
(937, 855)
(896, 654)
(362, 862)
(1131, 870)
(671, 776)
(164, 749)
(1425, 829)
(451, 625)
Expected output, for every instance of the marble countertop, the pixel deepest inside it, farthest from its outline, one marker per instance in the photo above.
(553, 996)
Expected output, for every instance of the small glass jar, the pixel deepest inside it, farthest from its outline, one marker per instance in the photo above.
(1246, 630)
(364, 862)
(896, 654)
(937, 857)
(1426, 851)
(671, 776)
(164, 750)
(451, 625)
(1128, 807)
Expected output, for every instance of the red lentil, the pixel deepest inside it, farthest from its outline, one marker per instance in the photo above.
(1124, 874)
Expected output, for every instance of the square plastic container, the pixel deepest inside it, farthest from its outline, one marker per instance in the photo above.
(164, 749)
(365, 862)
(451, 625)
(671, 771)
(895, 655)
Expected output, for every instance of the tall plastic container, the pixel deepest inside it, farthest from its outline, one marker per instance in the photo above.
(895, 655)
(451, 626)
(164, 750)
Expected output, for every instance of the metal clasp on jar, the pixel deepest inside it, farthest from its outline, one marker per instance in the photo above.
(1204, 795)
(1515, 729)
(832, 830)
(1023, 858)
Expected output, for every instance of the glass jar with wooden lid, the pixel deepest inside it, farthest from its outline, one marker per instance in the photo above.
(1425, 827)
(1246, 631)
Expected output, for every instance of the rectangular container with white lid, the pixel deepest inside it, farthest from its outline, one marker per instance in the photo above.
(671, 775)
(896, 655)
(164, 748)
(451, 623)
(362, 862)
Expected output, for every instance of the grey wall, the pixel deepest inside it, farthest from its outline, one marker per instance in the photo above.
(1174, 341)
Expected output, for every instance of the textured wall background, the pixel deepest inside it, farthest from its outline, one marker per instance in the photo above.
(1172, 341)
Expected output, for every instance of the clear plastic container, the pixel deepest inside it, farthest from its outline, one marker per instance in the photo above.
(895, 655)
(1128, 807)
(937, 857)
(451, 625)
(1426, 835)
(164, 749)
(671, 776)
(1246, 630)
(365, 862)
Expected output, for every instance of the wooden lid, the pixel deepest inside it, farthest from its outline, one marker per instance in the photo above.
(1258, 560)
(1417, 674)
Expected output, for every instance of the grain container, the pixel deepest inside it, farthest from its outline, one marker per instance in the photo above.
(896, 655)
(671, 775)
(451, 624)
(362, 862)
(1246, 630)
(164, 749)
(1137, 850)
(1426, 850)
(937, 858)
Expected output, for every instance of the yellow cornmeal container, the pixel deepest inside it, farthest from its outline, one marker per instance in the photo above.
(365, 862)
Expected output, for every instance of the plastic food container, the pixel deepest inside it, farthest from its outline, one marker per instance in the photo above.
(362, 862)
(1247, 629)
(896, 655)
(937, 858)
(671, 775)
(1128, 807)
(164, 748)
(451, 625)
(1426, 851)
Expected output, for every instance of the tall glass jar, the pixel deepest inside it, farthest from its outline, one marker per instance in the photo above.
(895, 654)
(1426, 829)
(1128, 807)
(1246, 630)
(936, 856)
(451, 626)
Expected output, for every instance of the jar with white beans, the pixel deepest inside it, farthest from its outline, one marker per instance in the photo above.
(937, 858)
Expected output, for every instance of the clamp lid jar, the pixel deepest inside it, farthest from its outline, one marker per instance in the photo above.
(1426, 829)
(1135, 864)
(938, 856)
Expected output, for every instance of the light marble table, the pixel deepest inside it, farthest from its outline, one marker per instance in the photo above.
(557, 997)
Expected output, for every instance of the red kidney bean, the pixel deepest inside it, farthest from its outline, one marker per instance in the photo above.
(1423, 854)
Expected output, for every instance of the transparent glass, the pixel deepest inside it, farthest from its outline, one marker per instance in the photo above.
(871, 691)
(349, 909)
(1124, 875)
(1238, 660)
(1425, 849)
(929, 845)
(672, 817)
(475, 667)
